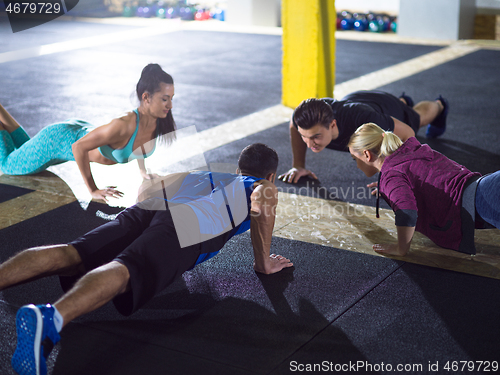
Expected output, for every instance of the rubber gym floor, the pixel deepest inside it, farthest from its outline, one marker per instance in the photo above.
(341, 308)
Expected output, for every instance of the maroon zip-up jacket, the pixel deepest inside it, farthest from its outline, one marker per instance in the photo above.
(425, 188)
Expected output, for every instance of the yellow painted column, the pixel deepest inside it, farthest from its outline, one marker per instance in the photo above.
(308, 50)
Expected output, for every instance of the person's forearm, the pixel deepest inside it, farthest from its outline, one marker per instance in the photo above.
(261, 231)
(405, 235)
(401, 248)
(82, 160)
(299, 148)
(142, 167)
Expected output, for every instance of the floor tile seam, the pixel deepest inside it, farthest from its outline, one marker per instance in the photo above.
(374, 285)
(342, 313)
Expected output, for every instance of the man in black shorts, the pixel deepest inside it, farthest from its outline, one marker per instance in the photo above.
(329, 123)
(187, 220)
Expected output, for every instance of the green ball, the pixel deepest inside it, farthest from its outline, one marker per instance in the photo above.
(128, 12)
(161, 13)
(394, 26)
(374, 26)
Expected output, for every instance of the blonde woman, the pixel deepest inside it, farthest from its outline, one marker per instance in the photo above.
(427, 191)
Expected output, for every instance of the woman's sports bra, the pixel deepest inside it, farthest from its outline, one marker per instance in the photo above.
(125, 154)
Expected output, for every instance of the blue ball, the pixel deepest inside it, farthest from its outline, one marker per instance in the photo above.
(360, 25)
(346, 24)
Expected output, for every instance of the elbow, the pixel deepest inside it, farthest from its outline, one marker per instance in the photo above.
(407, 133)
(76, 148)
(76, 151)
(79, 150)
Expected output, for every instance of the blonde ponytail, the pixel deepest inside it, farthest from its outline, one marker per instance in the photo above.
(372, 137)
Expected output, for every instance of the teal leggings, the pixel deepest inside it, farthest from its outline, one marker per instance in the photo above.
(20, 155)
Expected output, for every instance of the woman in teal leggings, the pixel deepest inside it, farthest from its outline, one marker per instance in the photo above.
(79, 141)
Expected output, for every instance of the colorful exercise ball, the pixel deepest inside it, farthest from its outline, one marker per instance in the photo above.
(374, 26)
(161, 13)
(394, 25)
(360, 22)
(171, 13)
(219, 14)
(347, 24)
(128, 11)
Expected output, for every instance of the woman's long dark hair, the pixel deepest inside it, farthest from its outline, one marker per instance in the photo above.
(151, 77)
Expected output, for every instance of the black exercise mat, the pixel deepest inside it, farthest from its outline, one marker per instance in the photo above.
(220, 311)
(418, 316)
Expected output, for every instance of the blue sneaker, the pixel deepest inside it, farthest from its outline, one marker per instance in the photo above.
(36, 336)
(408, 100)
(438, 126)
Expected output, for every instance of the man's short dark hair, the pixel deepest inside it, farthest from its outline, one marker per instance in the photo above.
(312, 112)
(258, 160)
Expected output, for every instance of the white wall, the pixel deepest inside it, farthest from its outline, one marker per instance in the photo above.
(253, 12)
(449, 19)
(389, 6)
(488, 6)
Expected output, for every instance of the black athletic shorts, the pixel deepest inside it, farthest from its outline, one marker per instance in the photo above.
(145, 241)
